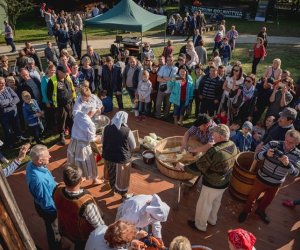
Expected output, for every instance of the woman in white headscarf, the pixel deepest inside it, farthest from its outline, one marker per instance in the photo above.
(118, 142)
(144, 210)
(79, 150)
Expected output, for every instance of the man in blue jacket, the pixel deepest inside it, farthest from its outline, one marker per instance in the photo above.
(41, 185)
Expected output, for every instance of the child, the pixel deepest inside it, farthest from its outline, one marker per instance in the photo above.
(243, 138)
(144, 90)
(225, 51)
(217, 59)
(32, 114)
(155, 84)
(106, 102)
(222, 116)
(234, 127)
(257, 134)
(168, 50)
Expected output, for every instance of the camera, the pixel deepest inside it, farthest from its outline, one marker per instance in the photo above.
(278, 153)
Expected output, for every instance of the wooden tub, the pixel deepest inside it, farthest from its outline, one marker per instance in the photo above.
(164, 168)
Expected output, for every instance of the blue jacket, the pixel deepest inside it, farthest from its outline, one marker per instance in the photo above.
(243, 143)
(175, 88)
(29, 112)
(225, 51)
(41, 185)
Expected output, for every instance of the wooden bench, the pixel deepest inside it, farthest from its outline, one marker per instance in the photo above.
(210, 27)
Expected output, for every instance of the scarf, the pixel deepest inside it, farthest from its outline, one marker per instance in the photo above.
(120, 118)
(248, 93)
(241, 239)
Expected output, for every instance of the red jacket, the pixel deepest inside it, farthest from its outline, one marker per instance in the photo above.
(259, 52)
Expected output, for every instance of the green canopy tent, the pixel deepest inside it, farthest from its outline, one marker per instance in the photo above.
(129, 16)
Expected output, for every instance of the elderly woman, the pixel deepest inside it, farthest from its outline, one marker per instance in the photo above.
(144, 210)
(117, 162)
(242, 99)
(181, 93)
(9, 118)
(116, 236)
(180, 243)
(88, 72)
(79, 150)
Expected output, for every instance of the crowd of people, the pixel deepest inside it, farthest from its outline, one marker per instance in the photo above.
(234, 112)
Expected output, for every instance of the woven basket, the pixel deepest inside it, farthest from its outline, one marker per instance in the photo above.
(171, 142)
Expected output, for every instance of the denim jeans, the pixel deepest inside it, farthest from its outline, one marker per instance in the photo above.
(11, 126)
(131, 92)
(144, 108)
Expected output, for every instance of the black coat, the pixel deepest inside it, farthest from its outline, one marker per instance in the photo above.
(111, 80)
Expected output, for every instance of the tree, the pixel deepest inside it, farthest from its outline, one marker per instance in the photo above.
(16, 8)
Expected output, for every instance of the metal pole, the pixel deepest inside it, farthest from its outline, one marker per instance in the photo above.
(165, 33)
(86, 39)
(141, 44)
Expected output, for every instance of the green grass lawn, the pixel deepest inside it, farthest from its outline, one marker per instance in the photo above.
(33, 29)
(288, 54)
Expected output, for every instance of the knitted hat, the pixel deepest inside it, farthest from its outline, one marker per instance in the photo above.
(158, 209)
(248, 125)
(241, 239)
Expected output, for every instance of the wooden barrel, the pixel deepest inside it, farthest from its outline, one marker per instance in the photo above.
(242, 179)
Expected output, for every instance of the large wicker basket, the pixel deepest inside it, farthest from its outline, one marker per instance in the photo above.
(170, 142)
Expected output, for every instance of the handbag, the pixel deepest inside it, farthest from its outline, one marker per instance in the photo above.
(163, 87)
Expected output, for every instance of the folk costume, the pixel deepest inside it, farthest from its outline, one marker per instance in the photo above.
(79, 150)
(118, 141)
(144, 210)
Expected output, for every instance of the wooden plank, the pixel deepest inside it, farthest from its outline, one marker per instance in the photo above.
(13, 228)
(281, 233)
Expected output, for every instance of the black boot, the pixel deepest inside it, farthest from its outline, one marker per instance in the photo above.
(62, 140)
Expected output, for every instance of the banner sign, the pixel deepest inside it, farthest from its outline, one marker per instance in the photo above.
(227, 12)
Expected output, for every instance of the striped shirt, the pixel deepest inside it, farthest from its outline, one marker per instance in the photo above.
(273, 172)
(210, 88)
(10, 169)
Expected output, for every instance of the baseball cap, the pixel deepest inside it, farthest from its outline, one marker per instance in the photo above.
(248, 125)
(221, 129)
(289, 113)
(62, 68)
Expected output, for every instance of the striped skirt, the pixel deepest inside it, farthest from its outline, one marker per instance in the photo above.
(80, 154)
(118, 175)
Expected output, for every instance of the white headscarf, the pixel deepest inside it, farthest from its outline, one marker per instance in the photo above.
(120, 118)
(158, 209)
